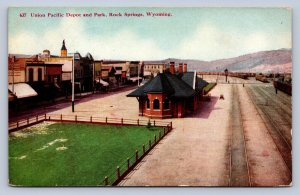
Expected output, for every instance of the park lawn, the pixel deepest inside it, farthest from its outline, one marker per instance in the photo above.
(72, 154)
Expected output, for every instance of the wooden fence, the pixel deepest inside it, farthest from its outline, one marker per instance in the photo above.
(15, 126)
(121, 171)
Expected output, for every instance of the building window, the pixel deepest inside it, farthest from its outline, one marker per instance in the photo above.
(156, 104)
(40, 73)
(166, 103)
(147, 103)
(30, 75)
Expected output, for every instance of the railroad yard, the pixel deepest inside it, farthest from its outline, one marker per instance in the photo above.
(244, 139)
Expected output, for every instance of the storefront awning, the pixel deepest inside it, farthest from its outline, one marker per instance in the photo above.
(103, 83)
(134, 79)
(22, 90)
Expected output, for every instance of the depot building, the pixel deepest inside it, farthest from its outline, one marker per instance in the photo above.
(170, 94)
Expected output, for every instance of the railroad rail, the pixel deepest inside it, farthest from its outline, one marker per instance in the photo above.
(284, 148)
(239, 169)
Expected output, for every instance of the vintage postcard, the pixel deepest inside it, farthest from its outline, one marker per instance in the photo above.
(150, 96)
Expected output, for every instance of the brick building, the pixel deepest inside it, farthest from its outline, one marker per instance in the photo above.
(170, 94)
(44, 77)
(17, 86)
(83, 66)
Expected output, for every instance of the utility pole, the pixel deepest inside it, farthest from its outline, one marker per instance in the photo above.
(139, 74)
(73, 80)
(13, 75)
(93, 76)
(226, 74)
(73, 83)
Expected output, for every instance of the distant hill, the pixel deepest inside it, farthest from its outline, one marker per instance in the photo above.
(264, 61)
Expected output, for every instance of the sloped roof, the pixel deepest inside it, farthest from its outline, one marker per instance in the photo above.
(182, 89)
(201, 83)
(144, 82)
(89, 56)
(164, 83)
(77, 56)
(159, 84)
(139, 91)
(188, 77)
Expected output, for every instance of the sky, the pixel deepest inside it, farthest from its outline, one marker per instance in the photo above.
(189, 33)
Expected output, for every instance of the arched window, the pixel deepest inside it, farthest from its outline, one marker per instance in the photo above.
(147, 103)
(166, 103)
(30, 76)
(156, 104)
(40, 73)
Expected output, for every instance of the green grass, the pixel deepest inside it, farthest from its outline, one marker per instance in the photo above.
(209, 87)
(92, 152)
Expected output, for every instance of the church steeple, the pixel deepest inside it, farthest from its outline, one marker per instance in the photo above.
(63, 51)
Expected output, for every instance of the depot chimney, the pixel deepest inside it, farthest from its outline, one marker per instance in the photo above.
(185, 67)
(180, 68)
(172, 67)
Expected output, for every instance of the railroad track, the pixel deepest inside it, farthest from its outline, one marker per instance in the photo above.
(239, 170)
(282, 145)
(279, 116)
(284, 98)
(280, 102)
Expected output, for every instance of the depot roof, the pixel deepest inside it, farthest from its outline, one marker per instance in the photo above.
(165, 83)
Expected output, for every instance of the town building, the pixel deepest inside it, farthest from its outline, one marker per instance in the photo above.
(16, 69)
(66, 61)
(125, 71)
(154, 68)
(170, 94)
(17, 86)
(44, 78)
(99, 83)
(97, 69)
(62, 59)
(83, 67)
(108, 74)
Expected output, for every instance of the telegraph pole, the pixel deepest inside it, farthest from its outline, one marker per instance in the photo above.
(139, 74)
(13, 75)
(93, 76)
(73, 81)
